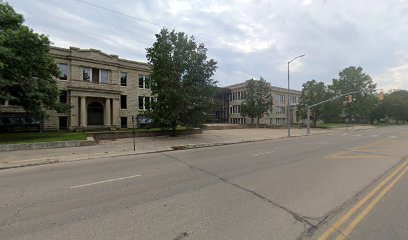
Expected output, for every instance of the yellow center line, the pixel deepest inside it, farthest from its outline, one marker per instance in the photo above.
(370, 207)
(360, 203)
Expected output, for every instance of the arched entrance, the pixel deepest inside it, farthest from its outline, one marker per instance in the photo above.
(95, 113)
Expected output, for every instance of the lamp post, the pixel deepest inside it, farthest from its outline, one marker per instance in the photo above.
(288, 108)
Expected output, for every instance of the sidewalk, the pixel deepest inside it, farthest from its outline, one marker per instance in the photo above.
(123, 147)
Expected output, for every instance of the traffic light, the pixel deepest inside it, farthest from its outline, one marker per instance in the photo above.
(350, 98)
(381, 96)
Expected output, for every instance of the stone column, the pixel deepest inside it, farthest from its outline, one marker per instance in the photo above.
(74, 113)
(116, 112)
(107, 118)
(83, 112)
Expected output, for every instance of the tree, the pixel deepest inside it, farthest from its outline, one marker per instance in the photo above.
(395, 105)
(181, 80)
(26, 68)
(353, 79)
(313, 92)
(258, 100)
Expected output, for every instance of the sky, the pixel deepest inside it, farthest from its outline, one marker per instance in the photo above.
(247, 38)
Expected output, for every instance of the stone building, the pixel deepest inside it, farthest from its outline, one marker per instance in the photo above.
(280, 101)
(103, 90)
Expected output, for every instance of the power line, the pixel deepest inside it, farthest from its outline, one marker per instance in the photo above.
(139, 19)
(120, 13)
(134, 17)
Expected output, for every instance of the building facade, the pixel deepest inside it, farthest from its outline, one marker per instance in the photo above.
(103, 90)
(278, 116)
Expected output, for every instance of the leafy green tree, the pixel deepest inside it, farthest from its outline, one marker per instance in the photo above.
(313, 92)
(26, 68)
(181, 80)
(353, 79)
(378, 113)
(395, 105)
(258, 100)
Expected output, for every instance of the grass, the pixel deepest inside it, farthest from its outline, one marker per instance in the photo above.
(35, 137)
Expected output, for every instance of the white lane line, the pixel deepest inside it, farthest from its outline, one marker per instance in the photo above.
(109, 180)
(262, 153)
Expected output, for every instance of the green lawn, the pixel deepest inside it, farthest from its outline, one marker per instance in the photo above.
(34, 137)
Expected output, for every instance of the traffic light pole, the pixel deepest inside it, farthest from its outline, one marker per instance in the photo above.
(316, 104)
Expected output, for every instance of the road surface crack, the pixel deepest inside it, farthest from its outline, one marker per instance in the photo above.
(295, 215)
(7, 220)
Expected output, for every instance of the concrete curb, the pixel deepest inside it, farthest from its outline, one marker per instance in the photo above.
(45, 145)
(53, 160)
(45, 161)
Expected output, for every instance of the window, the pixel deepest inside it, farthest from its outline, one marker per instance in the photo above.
(63, 123)
(123, 79)
(280, 98)
(63, 98)
(144, 81)
(123, 122)
(123, 102)
(63, 71)
(147, 82)
(280, 121)
(141, 102)
(280, 110)
(238, 121)
(148, 102)
(95, 75)
(104, 76)
(86, 74)
(145, 102)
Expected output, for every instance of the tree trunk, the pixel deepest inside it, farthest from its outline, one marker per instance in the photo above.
(173, 129)
(252, 121)
(314, 122)
(257, 122)
(41, 123)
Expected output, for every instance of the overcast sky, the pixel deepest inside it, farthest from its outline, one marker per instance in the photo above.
(247, 38)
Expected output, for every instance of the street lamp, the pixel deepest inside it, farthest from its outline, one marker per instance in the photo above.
(288, 110)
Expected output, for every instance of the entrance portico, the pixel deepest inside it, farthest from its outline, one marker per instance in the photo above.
(90, 110)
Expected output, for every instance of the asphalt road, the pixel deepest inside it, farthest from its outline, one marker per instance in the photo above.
(388, 220)
(282, 189)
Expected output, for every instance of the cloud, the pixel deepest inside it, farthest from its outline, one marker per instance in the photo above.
(248, 38)
(394, 77)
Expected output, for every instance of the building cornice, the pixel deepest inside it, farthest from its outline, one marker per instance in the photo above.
(69, 54)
